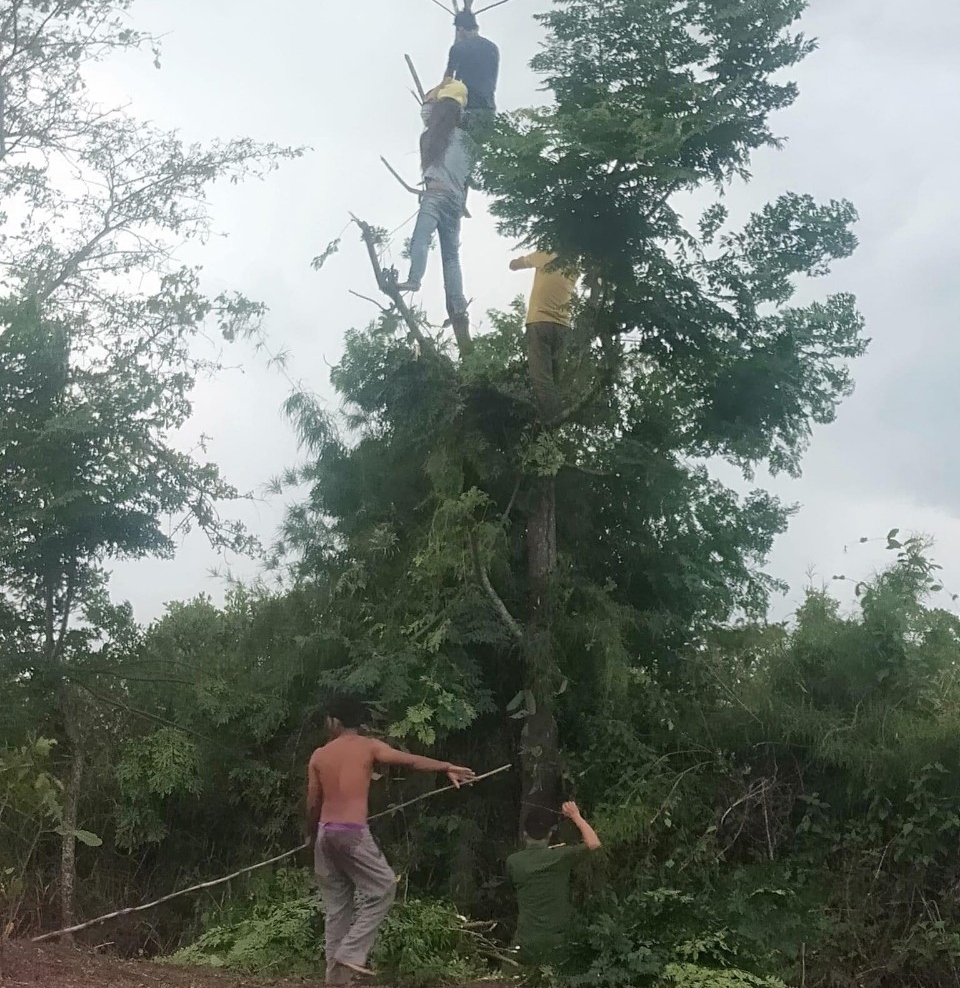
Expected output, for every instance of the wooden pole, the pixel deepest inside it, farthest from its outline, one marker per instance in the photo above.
(245, 871)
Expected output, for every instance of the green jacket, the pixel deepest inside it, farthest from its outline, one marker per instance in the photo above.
(541, 876)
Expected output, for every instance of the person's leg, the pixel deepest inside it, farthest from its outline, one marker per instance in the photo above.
(540, 363)
(449, 230)
(337, 895)
(479, 124)
(558, 339)
(427, 221)
(376, 887)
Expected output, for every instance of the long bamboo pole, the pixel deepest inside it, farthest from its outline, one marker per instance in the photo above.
(245, 871)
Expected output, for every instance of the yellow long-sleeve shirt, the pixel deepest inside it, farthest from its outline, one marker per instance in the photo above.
(552, 290)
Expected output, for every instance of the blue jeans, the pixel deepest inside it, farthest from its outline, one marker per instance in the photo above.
(440, 211)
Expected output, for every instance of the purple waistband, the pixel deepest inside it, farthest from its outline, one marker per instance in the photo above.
(343, 827)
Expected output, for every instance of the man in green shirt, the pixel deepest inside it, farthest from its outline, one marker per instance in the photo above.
(541, 875)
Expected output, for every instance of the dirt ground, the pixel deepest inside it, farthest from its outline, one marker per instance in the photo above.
(64, 967)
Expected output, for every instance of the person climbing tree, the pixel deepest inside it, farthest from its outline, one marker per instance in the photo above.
(548, 323)
(541, 875)
(356, 883)
(446, 160)
(475, 61)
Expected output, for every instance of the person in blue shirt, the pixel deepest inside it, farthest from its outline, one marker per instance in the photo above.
(474, 61)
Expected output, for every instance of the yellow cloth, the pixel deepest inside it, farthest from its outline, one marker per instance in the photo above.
(552, 290)
(454, 89)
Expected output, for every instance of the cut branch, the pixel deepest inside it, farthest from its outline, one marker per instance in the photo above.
(416, 78)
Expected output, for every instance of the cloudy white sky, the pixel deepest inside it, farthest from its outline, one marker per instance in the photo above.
(876, 123)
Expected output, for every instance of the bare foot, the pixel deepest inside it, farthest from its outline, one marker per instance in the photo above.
(364, 972)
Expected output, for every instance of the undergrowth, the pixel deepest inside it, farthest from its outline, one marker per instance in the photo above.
(275, 928)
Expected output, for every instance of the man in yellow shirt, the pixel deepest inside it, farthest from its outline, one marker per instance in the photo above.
(548, 322)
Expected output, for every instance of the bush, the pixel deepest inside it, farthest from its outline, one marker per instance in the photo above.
(276, 928)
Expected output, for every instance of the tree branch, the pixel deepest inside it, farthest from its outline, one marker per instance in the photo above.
(417, 192)
(388, 286)
(512, 624)
(416, 79)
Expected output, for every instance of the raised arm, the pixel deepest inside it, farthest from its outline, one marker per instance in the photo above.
(572, 812)
(314, 801)
(386, 755)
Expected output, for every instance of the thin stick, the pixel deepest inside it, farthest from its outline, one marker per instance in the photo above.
(399, 178)
(436, 792)
(416, 78)
(367, 298)
(256, 867)
(499, 3)
(443, 7)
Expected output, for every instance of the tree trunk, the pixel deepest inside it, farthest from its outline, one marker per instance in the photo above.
(71, 803)
(539, 746)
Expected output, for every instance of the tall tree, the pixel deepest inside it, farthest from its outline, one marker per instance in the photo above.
(697, 352)
(460, 534)
(97, 334)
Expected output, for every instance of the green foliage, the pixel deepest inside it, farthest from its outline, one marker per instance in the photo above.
(276, 928)
(423, 942)
(30, 807)
(695, 976)
(273, 929)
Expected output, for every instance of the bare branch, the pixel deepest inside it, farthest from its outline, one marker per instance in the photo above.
(490, 6)
(372, 301)
(388, 286)
(416, 78)
(399, 178)
(512, 624)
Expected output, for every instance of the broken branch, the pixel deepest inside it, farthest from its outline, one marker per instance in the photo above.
(388, 286)
(399, 178)
(416, 78)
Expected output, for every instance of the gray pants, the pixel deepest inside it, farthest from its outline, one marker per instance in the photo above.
(545, 342)
(357, 887)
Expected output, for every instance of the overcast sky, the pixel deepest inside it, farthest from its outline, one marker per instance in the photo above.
(876, 122)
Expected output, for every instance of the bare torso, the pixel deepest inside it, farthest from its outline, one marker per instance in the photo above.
(343, 769)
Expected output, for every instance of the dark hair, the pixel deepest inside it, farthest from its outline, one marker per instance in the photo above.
(540, 821)
(466, 20)
(436, 138)
(348, 710)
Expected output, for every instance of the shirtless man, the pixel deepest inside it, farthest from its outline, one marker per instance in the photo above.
(356, 883)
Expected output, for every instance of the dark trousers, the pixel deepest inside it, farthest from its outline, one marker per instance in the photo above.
(545, 342)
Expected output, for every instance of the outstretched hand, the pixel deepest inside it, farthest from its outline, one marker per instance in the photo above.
(458, 775)
(516, 264)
